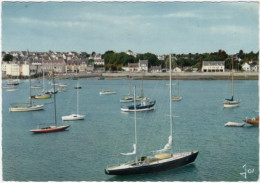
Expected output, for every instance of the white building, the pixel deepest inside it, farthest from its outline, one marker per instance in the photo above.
(129, 52)
(213, 66)
(255, 68)
(13, 69)
(99, 62)
(246, 67)
(176, 69)
(143, 65)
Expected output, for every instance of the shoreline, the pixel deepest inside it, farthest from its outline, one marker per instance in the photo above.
(162, 76)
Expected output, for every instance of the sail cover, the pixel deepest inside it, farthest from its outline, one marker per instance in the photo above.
(166, 147)
(230, 99)
(130, 153)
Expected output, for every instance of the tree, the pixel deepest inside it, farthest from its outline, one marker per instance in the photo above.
(8, 57)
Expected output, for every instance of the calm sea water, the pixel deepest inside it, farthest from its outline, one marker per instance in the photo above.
(89, 146)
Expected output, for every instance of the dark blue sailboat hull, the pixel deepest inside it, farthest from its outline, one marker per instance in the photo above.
(151, 168)
(139, 107)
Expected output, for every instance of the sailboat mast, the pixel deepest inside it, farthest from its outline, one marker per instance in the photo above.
(135, 124)
(78, 100)
(30, 89)
(232, 79)
(142, 86)
(43, 84)
(54, 98)
(171, 130)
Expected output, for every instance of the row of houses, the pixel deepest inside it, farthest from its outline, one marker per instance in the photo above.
(24, 68)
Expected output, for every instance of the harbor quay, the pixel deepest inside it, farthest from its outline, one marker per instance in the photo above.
(164, 75)
(159, 75)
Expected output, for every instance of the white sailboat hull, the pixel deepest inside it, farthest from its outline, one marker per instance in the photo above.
(26, 108)
(73, 117)
(230, 104)
(235, 124)
(107, 92)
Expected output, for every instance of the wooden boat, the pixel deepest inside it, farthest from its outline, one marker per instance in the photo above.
(234, 124)
(253, 121)
(52, 128)
(231, 102)
(176, 98)
(159, 162)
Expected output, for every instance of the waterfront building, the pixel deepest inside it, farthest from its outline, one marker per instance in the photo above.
(143, 65)
(13, 69)
(57, 65)
(177, 69)
(99, 62)
(156, 68)
(255, 68)
(133, 67)
(213, 66)
(246, 67)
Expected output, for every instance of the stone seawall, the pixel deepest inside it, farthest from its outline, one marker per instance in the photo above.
(163, 76)
(186, 75)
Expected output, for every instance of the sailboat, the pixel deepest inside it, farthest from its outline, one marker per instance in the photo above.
(252, 121)
(129, 97)
(107, 92)
(24, 107)
(231, 102)
(159, 161)
(42, 96)
(145, 105)
(53, 128)
(177, 97)
(73, 117)
(78, 86)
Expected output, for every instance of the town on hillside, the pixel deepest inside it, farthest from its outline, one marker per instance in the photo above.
(22, 64)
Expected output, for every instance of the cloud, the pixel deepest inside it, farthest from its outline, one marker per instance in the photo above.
(228, 29)
(49, 23)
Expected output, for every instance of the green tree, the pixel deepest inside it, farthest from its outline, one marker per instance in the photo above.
(8, 57)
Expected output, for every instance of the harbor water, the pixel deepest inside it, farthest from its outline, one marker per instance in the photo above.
(82, 152)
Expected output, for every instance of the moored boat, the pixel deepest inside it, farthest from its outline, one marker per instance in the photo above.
(234, 124)
(42, 96)
(73, 117)
(107, 92)
(127, 99)
(231, 102)
(160, 161)
(26, 108)
(145, 105)
(50, 129)
(252, 121)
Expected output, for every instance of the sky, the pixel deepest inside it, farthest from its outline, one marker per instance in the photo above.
(155, 27)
